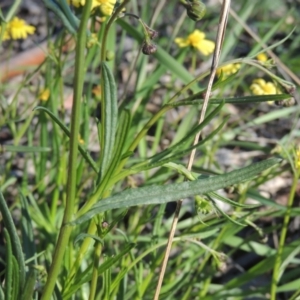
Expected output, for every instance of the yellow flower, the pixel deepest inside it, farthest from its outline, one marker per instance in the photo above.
(106, 6)
(78, 3)
(18, 29)
(261, 87)
(106, 2)
(228, 69)
(107, 9)
(197, 40)
(297, 159)
(44, 94)
(262, 57)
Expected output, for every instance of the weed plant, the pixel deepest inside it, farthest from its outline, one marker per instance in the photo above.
(89, 217)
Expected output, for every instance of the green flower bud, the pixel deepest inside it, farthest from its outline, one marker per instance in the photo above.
(202, 205)
(195, 9)
(109, 55)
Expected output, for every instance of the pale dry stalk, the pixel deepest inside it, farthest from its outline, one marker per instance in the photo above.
(216, 55)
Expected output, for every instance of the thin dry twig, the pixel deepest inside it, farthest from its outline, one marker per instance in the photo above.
(216, 55)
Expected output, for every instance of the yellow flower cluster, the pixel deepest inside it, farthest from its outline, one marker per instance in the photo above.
(228, 70)
(106, 6)
(17, 29)
(197, 40)
(261, 87)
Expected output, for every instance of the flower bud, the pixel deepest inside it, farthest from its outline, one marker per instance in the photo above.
(152, 33)
(149, 48)
(105, 224)
(109, 55)
(195, 10)
(286, 102)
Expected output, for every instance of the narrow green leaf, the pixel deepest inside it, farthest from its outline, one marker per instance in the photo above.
(192, 100)
(290, 286)
(70, 23)
(121, 136)
(255, 195)
(9, 266)
(15, 241)
(27, 230)
(29, 285)
(66, 130)
(231, 202)
(174, 192)
(288, 261)
(83, 235)
(224, 214)
(2, 295)
(249, 246)
(16, 280)
(109, 117)
(86, 275)
(24, 149)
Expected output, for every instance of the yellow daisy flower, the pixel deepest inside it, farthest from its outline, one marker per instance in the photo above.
(262, 57)
(261, 87)
(18, 29)
(197, 40)
(107, 8)
(228, 69)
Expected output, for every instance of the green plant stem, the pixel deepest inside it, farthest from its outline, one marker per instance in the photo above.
(276, 272)
(82, 252)
(65, 230)
(97, 254)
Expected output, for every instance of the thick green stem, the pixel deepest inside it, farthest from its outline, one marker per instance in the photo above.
(284, 230)
(65, 231)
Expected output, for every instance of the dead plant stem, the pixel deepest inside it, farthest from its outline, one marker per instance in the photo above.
(216, 55)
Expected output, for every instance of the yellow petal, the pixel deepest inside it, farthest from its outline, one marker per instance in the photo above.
(181, 42)
(206, 47)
